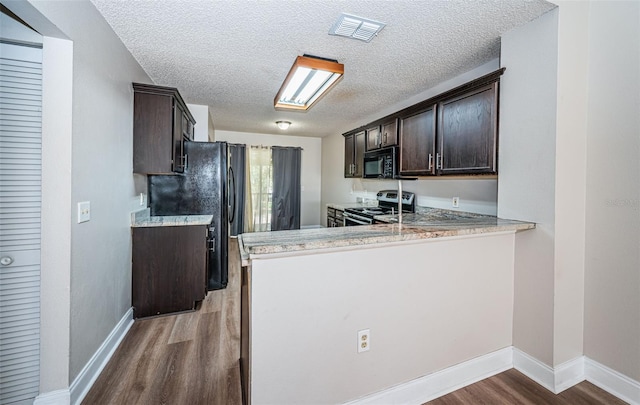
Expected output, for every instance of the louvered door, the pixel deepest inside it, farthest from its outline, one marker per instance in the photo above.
(20, 204)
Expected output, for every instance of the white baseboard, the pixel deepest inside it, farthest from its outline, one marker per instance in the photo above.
(58, 397)
(612, 381)
(534, 369)
(417, 391)
(556, 380)
(568, 374)
(88, 375)
(442, 382)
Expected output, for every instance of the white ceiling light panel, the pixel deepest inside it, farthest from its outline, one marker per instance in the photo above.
(355, 27)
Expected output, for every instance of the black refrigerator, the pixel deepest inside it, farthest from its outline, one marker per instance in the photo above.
(236, 179)
(203, 189)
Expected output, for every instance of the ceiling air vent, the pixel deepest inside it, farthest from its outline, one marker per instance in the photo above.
(355, 27)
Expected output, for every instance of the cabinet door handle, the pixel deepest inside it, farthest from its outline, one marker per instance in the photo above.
(212, 244)
(438, 161)
(430, 161)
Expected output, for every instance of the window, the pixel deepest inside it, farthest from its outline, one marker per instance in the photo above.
(274, 181)
(261, 178)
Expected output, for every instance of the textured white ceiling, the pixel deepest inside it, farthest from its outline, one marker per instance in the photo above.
(233, 55)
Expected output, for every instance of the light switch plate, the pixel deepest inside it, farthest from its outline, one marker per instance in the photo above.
(84, 211)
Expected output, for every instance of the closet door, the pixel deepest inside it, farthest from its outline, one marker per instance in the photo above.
(20, 204)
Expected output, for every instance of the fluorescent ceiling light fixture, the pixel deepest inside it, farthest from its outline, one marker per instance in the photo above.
(309, 79)
(355, 27)
(283, 124)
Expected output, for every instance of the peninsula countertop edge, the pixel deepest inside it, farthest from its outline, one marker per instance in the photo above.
(415, 227)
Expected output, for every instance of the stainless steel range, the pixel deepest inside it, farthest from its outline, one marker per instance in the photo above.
(387, 204)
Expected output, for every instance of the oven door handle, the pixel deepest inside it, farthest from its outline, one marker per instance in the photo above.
(356, 218)
(357, 221)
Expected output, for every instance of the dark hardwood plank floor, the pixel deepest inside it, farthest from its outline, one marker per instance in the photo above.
(187, 358)
(192, 358)
(514, 388)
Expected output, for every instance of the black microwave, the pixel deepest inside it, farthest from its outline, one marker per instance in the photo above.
(380, 164)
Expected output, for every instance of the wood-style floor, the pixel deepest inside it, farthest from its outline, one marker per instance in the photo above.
(189, 358)
(192, 359)
(513, 387)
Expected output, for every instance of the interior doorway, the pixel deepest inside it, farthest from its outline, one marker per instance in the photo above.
(20, 210)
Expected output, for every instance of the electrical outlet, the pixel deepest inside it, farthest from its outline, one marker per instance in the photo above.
(84, 211)
(455, 202)
(364, 340)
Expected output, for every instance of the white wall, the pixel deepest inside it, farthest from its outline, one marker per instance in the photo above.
(203, 130)
(311, 166)
(612, 290)
(55, 271)
(93, 267)
(543, 176)
(526, 179)
(478, 194)
(570, 181)
(427, 308)
(570, 162)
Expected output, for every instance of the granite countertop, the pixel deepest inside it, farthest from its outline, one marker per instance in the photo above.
(342, 206)
(142, 219)
(426, 224)
(426, 216)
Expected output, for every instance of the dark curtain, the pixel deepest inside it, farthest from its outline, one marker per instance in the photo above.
(285, 205)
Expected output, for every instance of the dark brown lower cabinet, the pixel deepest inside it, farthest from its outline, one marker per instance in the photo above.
(169, 269)
(245, 330)
(334, 217)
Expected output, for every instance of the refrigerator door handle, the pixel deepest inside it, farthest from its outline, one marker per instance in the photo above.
(232, 193)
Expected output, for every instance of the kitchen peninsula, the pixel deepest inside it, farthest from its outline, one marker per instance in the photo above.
(432, 292)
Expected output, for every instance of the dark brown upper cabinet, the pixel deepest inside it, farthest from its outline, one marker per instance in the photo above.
(389, 134)
(161, 124)
(467, 132)
(418, 143)
(373, 138)
(354, 144)
(383, 136)
(452, 133)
